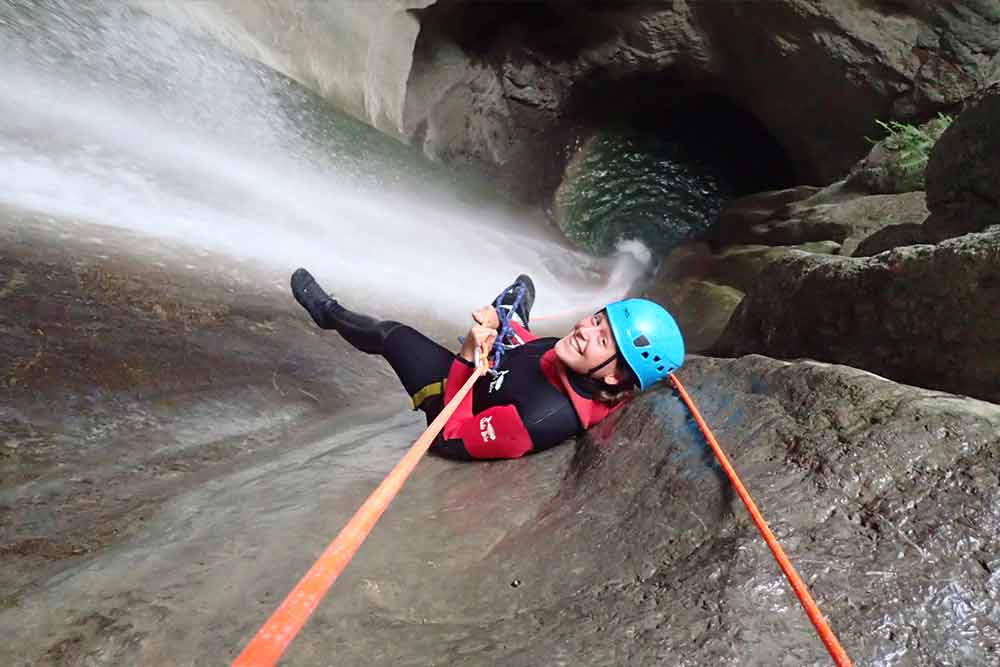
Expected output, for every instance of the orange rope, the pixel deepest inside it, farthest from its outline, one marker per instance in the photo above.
(271, 641)
(812, 610)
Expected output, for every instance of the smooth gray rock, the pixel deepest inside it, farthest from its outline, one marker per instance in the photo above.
(846, 220)
(926, 315)
(891, 237)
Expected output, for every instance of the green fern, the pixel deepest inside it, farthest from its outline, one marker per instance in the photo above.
(913, 144)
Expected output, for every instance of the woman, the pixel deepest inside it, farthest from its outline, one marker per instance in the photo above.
(546, 389)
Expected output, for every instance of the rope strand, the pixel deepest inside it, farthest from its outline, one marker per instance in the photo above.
(274, 637)
(504, 315)
(801, 591)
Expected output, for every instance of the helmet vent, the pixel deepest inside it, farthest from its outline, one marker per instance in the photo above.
(656, 358)
(645, 355)
(659, 368)
(641, 341)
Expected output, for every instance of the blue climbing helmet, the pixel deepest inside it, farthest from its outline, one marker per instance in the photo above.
(648, 338)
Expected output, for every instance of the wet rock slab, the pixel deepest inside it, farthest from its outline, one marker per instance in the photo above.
(886, 497)
(131, 374)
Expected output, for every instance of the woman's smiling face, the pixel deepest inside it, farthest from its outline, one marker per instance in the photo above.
(589, 344)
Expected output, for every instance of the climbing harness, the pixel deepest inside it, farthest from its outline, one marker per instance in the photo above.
(801, 591)
(277, 633)
(507, 337)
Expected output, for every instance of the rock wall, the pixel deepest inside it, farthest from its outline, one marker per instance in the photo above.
(507, 86)
(356, 54)
(963, 174)
(816, 74)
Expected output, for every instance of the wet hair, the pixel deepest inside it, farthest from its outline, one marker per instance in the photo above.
(612, 394)
(628, 382)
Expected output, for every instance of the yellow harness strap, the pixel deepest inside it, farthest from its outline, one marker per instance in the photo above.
(433, 389)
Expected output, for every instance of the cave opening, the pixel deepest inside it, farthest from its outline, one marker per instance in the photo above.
(620, 149)
(684, 106)
(657, 157)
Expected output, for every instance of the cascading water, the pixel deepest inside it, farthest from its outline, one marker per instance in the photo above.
(110, 116)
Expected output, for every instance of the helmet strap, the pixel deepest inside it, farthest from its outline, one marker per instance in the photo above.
(593, 370)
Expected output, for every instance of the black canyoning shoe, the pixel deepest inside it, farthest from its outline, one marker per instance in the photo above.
(311, 296)
(506, 298)
(363, 332)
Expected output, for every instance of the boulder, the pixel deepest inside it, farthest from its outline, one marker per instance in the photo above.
(891, 237)
(925, 315)
(963, 174)
(845, 220)
(744, 219)
(739, 265)
(702, 288)
(702, 308)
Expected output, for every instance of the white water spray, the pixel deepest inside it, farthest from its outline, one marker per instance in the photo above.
(117, 119)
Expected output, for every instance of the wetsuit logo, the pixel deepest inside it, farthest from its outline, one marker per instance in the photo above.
(486, 429)
(497, 382)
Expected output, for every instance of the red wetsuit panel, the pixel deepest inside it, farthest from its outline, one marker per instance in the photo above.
(529, 405)
(494, 433)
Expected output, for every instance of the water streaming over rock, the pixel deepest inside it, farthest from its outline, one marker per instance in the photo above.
(114, 117)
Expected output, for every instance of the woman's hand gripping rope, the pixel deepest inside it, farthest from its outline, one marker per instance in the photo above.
(487, 317)
(479, 341)
(495, 318)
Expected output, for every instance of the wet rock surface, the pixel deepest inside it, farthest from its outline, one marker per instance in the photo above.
(869, 485)
(128, 379)
(326, 47)
(885, 497)
(178, 442)
(166, 481)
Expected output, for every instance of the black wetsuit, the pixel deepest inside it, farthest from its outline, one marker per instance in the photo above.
(533, 403)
